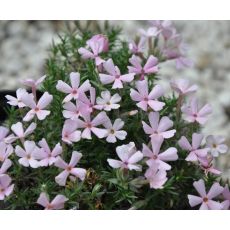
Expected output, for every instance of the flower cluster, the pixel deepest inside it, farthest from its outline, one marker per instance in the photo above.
(115, 109)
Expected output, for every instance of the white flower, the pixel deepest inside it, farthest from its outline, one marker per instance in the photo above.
(109, 102)
(114, 132)
(215, 145)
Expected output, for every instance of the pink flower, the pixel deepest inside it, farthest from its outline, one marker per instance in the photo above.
(194, 151)
(108, 102)
(88, 105)
(192, 113)
(161, 158)
(137, 48)
(75, 89)
(69, 169)
(129, 157)
(176, 49)
(156, 176)
(183, 87)
(205, 199)
(5, 188)
(114, 75)
(47, 156)
(215, 145)
(101, 39)
(226, 195)
(151, 66)
(20, 133)
(69, 132)
(33, 83)
(91, 125)
(37, 109)
(114, 132)
(158, 127)
(29, 155)
(5, 151)
(5, 166)
(17, 101)
(165, 27)
(97, 44)
(145, 98)
(71, 110)
(206, 163)
(150, 32)
(55, 204)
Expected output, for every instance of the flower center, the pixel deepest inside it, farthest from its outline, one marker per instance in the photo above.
(205, 199)
(117, 76)
(214, 146)
(66, 135)
(195, 115)
(49, 206)
(74, 91)
(89, 125)
(28, 157)
(108, 103)
(69, 168)
(36, 109)
(2, 190)
(146, 99)
(112, 131)
(154, 157)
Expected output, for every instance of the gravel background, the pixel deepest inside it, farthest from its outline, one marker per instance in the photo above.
(24, 46)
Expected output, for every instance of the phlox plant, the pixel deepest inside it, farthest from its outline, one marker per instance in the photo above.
(103, 134)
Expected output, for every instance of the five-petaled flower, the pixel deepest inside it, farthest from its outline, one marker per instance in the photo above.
(37, 109)
(145, 98)
(114, 75)
(206, 199)
(154, 155)
(195, 152)
(97, 44)
(69, 169)
(17, 101)
(70, 133)
(215, 145)
(29, 155)
(151, 66)
(159, 127)
(75, 89)
(192, 113)
(90, 125)
(114, 131)
(48, 157)
(129, 157)
(108, 102)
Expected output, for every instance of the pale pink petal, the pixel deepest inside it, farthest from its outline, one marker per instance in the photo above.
(76, 156)
(45, 100)
(29, 116)
(43, 200)
(169, 155)
(164, 124)
(110, 67)
(100, 133)
(156, 92)
(75, 80)
(58, 202)
(156, 105)
(127, 77)
(154, 120)
(79, 172)
(215, 190)
(63, 87)
(42, 114)
(61, 178)
(106, 79)
(86, 54)
(60, 163)
(194, 200)
(214, 205)
(200, 187)
(150, 66)
(184, 144)
(117, 84)
(115, 163)
(196, 140)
